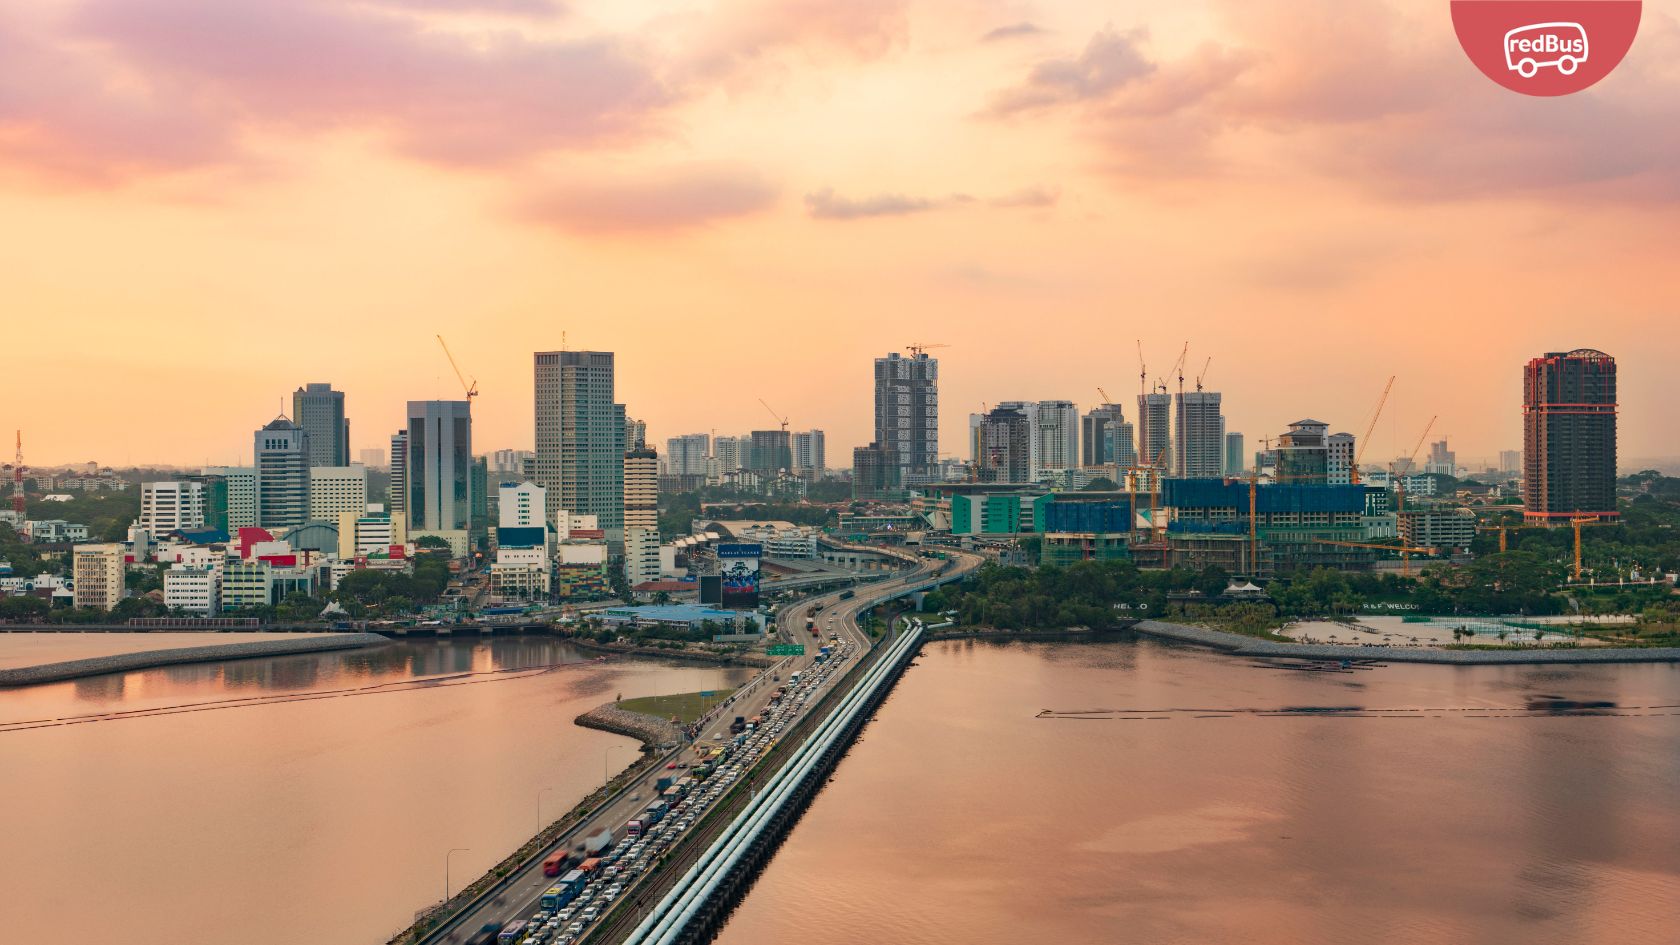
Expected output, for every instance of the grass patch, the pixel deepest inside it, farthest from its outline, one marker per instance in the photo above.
(685, 706)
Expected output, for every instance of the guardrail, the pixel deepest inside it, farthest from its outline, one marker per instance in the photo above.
(679, 908)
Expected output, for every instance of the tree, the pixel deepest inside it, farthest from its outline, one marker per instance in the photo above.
(432, 543)
(1101, 484)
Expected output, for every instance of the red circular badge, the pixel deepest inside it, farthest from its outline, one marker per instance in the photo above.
(1546, 47)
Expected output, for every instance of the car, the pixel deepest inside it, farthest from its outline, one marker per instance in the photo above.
(574, 928)
(591, 914)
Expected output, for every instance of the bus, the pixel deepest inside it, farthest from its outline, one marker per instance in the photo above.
(555, 863)
(512, 933)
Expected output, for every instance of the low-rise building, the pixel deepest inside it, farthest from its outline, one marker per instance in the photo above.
(247, 584)
(196, 590)
(54, 531)
(1447, 529)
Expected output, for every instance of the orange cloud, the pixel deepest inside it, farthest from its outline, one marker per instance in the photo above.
(668, 200)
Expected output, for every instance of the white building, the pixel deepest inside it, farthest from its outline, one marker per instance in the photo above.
(171, 505)
(521, 505)
(334, 490)
(241, 494)
(1055, 436)
(810, 452)
(54, 531)
(686, 455)
(1339, 459)
(1200, 442)
(567, 521)
(373, 531)
(641, 490)
(197, 590)
(641, 555)
(99, 571)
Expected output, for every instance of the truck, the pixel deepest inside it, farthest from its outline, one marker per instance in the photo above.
(824, 650)
(601, 841)
(661, 784)
(590, 866)
(636, 827)
(793, 678)
(739, 725)
(655, 812)
(810, 623)
(555, 862)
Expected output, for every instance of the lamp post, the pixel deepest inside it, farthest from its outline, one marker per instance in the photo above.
(540, 794)
(606, 773)
(446, 856)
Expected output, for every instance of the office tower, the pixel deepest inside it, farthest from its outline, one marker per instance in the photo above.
(480, 486)
(1442, 460)
(521, 505)
(374, 458)
(99, 572)
(907, 412)
(580, 436)
(1055, 433)
(1235, 462)
(237, 486)
(1338, 459)
(875, 472)
(282, 462)
(1200, 441)
(318, 410)
(171, 506)
(1154, 430)
(1097, 444)
(1005, 446)
(1569, 437)
(509, 464)
(398, 492)
(771, 451)
(438, 468)
(1510, 462)
(641, 489)
(334, 490)
(635, 434)
(1303, 455)
(729, 453)
(809, 451)
(686, 455)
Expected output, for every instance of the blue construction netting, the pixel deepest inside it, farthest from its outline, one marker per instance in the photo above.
(1107, 516)
(1269, 498)
(1205, 528)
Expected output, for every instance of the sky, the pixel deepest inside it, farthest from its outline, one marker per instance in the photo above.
(207, 203)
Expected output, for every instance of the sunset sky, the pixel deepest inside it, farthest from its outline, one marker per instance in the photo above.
(206, 203)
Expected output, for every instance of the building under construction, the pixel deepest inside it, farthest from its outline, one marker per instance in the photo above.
(1294, 527)
(1569, 437)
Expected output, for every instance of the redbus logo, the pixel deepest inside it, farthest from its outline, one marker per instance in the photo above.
(1546, 47)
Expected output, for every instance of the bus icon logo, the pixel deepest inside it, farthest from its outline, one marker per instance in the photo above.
(1530, 48)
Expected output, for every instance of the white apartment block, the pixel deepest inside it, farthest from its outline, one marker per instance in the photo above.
(334, 490)
(1339, 459)
(171, 505)
(196, 590)
(641, 555)
(521, 505)
(99, 571)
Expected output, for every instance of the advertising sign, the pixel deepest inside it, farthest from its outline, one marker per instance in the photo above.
(738, 566)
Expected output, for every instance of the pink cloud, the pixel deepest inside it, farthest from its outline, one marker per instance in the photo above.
(671, 199)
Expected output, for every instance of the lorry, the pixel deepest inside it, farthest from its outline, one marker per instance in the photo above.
(661, 784)
(636, 828)
(739, 725)
(595, 844)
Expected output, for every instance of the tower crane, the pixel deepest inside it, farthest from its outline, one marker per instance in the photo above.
(1199, 377)
(779, 418)
(1143, 371)
(1179, 367)
(1400, 491)
(1369, 429)
(1104, 394)
(470, 387)
(919, 348)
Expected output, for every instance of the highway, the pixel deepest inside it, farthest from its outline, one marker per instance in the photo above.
(834, 614)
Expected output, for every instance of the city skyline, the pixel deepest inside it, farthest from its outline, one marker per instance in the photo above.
(1029, 179)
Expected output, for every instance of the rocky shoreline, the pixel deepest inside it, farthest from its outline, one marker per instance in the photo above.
(1238, 645)
(151, 659)
(652, 731)
(693, 656)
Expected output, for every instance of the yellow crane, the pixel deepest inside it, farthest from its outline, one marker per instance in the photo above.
(1369, 429)
(919, 348)
(472, 387)
(1205, 366)
(779, 418)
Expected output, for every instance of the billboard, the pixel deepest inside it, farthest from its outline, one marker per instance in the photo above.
(711, 589)
(738, 566)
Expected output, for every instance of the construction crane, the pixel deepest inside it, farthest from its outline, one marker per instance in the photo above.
(1178, 369)
(1576, 524)
(779, 418)
(1402, 547)
(1369, 429)
(1205, 366)
(919, 348)
(17, 481)
(1143, 371)
(472, 387)
(1104, 394)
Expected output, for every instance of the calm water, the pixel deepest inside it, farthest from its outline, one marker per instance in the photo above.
(1197, 813)
(301, 799)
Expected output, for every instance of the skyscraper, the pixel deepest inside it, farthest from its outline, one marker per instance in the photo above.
(635, 434)
(318, 410)
(580, 436)
(1096, 444)
(281, 453)
(771, 452)
(641, 515)
(1201, 435)
(1235, 461)
(875, 471)
(438, 471)
(809, 451)
(1055, 432)
(1004, 446)
(1154, 430)
(686, 455)
(907, 412)
(398, 491)
(1569, 437)
(729, 453)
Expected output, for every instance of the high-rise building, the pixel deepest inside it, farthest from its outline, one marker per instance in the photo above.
(1097, 445)
(580, 436)
(875, 472)
(686, 455)
(771, 452)
(728, 455)
(1235, 461)
(374, 458)
(635, 434)
(809, 451)
(318, 410)
(98, 570)
(521, 505)
(1200, 443)
(171, 506)
(1004, 446)
(397, 499)
(438, 469)
(641, 489)
(1569, 437)
(240, 483)
(1338, 459)
(1442, 460)
(282, 462)
(509, 464)
(334, 490)
(1510, 462)
(907, 412)
(1055, 433)
(1154, 430)
(1303, 455)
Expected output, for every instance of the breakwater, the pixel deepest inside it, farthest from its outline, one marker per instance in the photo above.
(151, 659)
(1238, 645)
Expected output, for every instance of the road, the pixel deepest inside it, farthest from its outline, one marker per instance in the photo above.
(833, 614)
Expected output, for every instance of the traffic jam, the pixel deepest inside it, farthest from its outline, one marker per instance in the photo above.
(588, 879)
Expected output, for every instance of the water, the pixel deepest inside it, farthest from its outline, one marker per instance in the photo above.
(1197, 812)
(32, 649)
(307, 798)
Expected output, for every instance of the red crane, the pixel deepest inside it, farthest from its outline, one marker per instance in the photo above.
(17, 480)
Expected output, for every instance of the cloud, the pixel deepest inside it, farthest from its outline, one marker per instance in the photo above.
(1028, 197)
(1012, 31)
(666, 200)
(825, 204)
(738, 36)
(1110, 61)
(519, 8)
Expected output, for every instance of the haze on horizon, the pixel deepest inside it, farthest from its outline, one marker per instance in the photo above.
(209, 204)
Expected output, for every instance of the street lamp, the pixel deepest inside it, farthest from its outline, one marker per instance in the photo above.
(606, 773)
(446, 856)
(539, 807)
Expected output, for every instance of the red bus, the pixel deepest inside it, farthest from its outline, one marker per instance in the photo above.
(555, 863)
